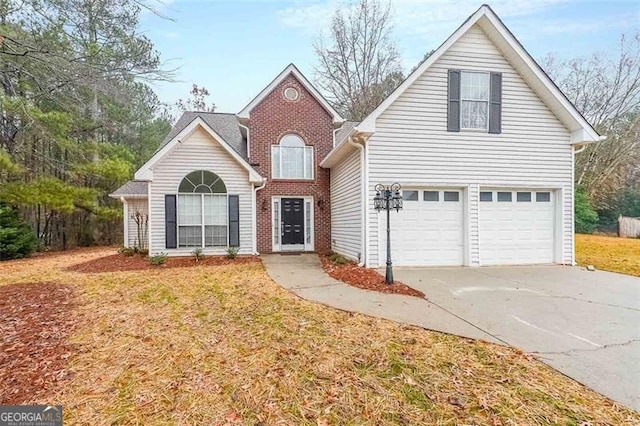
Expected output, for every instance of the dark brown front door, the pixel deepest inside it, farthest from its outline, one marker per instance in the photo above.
(292, 221)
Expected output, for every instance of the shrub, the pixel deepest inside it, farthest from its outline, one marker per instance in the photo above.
(127, 251)
(17, 240)
(158, 259)
(232, 252)
(198, 254)
(338, 259)
(586, 217)
(143, 252)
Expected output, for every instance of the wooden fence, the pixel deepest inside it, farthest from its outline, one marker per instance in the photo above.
(629, 227)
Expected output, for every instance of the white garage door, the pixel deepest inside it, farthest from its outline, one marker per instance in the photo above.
(516, 227)
(428, 231)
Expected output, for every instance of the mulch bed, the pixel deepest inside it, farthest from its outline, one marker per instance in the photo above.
(365, 278)
(119, 262)
(35, 321)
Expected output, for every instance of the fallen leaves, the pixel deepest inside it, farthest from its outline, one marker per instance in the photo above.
(119, 262)
(225, 345)
(366, 278)
(35, 322)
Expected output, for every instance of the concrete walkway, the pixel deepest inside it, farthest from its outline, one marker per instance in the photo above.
(303, 275)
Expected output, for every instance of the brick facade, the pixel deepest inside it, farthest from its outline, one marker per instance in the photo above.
(274, 117)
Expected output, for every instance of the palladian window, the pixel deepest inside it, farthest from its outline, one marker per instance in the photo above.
(202, 211)
(292, 159)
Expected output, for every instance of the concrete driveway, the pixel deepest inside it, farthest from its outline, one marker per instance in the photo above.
(584, 324)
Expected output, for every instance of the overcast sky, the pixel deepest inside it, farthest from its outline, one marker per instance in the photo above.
(235, 48)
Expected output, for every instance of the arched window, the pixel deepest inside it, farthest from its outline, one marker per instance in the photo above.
(291, 159)
(202, 211)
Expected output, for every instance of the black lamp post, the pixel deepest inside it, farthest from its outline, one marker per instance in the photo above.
(388, 198)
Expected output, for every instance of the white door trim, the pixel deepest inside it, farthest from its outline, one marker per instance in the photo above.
(276, 223)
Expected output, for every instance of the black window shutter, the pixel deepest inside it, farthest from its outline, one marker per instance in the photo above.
(453, 110)
(495, 104)
(170, 222)
(234, 221)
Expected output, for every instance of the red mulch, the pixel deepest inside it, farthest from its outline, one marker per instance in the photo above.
(365, 278)
(35, 321)
(119, 262)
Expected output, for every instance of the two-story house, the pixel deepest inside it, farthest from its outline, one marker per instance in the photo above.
(478, 136)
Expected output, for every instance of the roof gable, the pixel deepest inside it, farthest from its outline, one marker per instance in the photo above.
(224, 124)
(522, 62)
(291, 69)
(146, 171)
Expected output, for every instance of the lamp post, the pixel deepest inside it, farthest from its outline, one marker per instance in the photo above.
(388, 198)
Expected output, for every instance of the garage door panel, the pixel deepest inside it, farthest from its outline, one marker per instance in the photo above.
(429, 233)
(516, 232)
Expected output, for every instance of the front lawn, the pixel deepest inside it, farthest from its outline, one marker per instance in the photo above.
(226, 345)
(609, 253)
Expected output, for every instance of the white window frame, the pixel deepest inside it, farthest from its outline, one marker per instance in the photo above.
(307, 151)
(487, 101)
(202, 225)
(276, 222)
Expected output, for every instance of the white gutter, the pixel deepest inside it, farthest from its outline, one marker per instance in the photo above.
(363, 231)
(254, 214)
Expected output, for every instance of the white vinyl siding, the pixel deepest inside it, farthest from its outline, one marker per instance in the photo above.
(346, 209)
(140, 206)
(411, 144)
(198, 151)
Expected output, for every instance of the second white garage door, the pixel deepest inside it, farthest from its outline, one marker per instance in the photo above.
(516, 227)
(428, 231)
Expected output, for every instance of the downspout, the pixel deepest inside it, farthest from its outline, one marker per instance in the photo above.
(254, 229)
(247, 130)
(363, 202)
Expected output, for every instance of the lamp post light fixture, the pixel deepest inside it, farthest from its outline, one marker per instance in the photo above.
(388, 198)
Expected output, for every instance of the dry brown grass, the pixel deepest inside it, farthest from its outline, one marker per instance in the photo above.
(226, 345)
(609, 253)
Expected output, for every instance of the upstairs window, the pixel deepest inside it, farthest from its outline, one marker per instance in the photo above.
(474, 99)
(291, 159)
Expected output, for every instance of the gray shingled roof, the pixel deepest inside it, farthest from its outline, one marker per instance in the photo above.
(344, 131)
(133, 187)
(224, 124)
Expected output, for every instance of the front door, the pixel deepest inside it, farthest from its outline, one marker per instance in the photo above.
(292, 221)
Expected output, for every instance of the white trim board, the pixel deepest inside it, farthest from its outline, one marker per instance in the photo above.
(277, 248)
(146, 171)
(291, 69)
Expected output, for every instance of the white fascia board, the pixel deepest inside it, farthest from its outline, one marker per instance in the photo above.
(337, 152)
(128, 196)
(146, 171)
(291, 69)
(581, 137)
